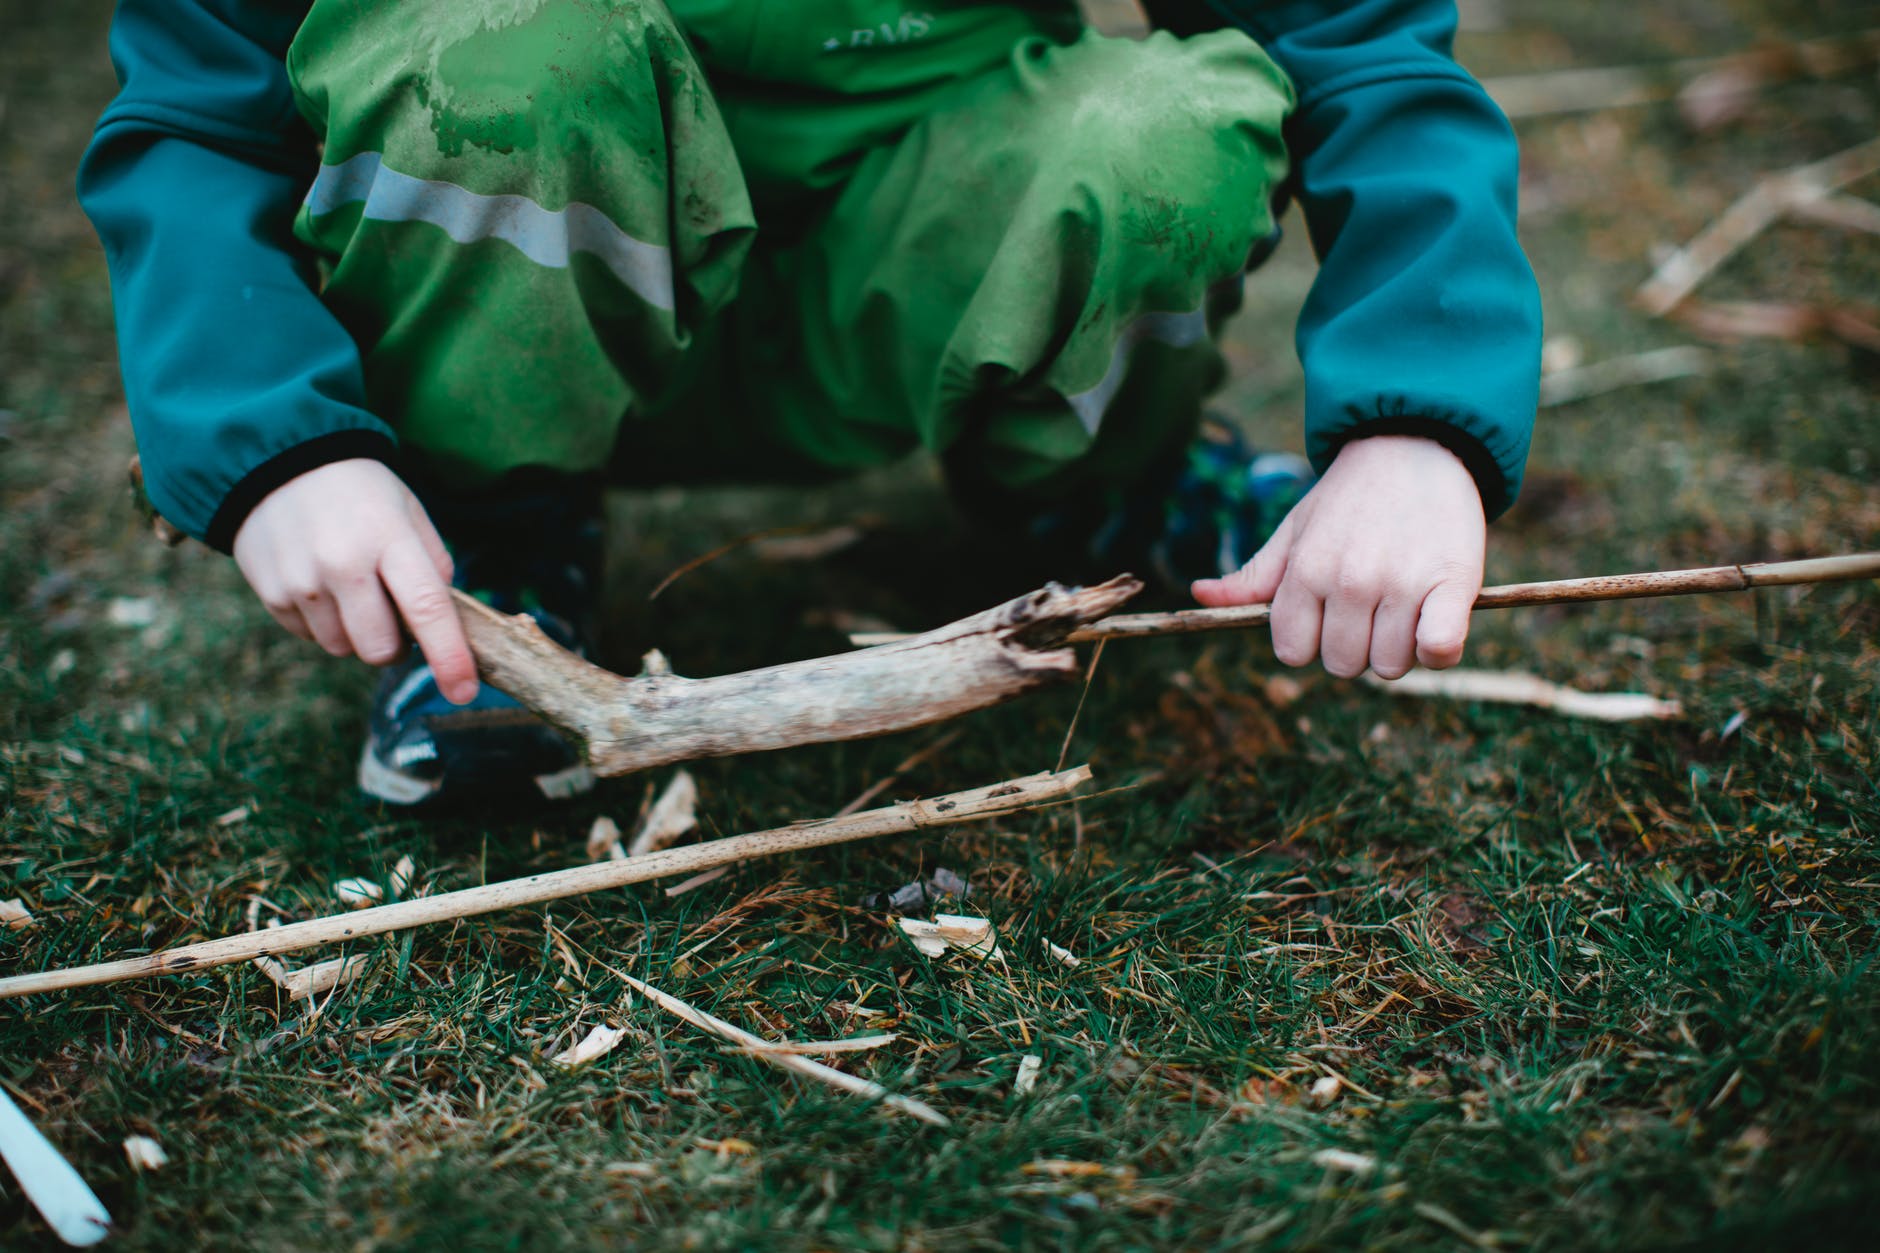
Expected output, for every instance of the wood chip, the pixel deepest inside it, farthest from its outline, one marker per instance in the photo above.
(603, 840)
(145, 1153)
(597, 1043)
(358, 893)
(14, 915)
(970, 935)
(1063, 954)
(672, 815)
(402, 875)
(1342, 1159)
(1509, 687)
(1027, 1078)
(311, 981)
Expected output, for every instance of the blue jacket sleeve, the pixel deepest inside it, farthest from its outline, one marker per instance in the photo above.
(237, 377)
(1425, 318)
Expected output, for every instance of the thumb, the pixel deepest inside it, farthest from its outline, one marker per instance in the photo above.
(1443, 623)
(1256, 582)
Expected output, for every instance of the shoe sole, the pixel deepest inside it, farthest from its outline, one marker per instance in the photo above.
(392, 786)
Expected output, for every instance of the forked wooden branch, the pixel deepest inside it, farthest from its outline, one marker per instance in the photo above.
(986, 802)
(629, 724)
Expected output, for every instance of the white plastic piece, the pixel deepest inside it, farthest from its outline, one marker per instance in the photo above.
(69, 1207)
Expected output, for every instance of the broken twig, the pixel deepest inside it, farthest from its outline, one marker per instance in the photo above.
(1704, 579)
(782, 1055)
(1506, 687)
(1760, 208)
(985, 802)
(659, 718)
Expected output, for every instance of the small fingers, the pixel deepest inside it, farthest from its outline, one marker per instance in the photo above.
(290, 619)
(433, 542)
(1297, 612)
(370, 622)
(321, 615)
(424, 601)
(1394, 637)
(1345, 635)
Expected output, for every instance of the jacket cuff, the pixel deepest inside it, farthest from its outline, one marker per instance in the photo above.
(1482, 465)
(254, 486)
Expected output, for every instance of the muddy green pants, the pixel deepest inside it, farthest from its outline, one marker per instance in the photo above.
(780, 239)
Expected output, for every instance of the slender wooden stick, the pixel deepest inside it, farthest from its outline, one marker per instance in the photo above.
(1561, 591)
(782, 1057)
(969, 806)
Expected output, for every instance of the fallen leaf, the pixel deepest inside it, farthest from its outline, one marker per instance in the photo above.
(596, 1044)
(358, 893)
(132, 611)
(672, 815)
(947, 931)
(15, 915)
(145, 1153)
(1027, 1078)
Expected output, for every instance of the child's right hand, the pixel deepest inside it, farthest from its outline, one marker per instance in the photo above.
(340, 553)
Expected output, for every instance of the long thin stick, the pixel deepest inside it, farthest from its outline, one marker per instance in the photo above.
(984, 802)
(1757, 210)
(766, 1051)
(1561, 591)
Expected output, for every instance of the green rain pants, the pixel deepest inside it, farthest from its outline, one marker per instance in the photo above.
(776, 240)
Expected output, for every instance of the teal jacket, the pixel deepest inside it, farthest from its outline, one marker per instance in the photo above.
(1424, 317)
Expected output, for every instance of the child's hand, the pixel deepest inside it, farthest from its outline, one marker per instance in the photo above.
(1379, 564)
(324, 551)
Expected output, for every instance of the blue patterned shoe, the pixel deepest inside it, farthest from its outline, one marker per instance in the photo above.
(535, 553)
(1201, 519)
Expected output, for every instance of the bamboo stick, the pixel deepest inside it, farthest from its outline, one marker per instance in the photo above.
(1557, 592)
(985, 802)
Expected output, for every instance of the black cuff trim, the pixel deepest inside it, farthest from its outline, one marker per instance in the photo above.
(294, 462)
(1474, 454)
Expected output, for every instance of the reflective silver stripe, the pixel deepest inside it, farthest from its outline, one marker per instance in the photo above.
(1177, 330)
(545, 236)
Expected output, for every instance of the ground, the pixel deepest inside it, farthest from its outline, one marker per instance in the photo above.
(1555, 984)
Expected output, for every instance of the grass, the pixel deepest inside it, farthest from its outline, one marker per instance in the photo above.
(1579, 986)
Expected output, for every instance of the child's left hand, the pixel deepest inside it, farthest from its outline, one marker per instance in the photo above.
(1379, 565)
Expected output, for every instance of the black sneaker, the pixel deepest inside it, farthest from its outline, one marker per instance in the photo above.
(536, 552)
(1202, 518)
